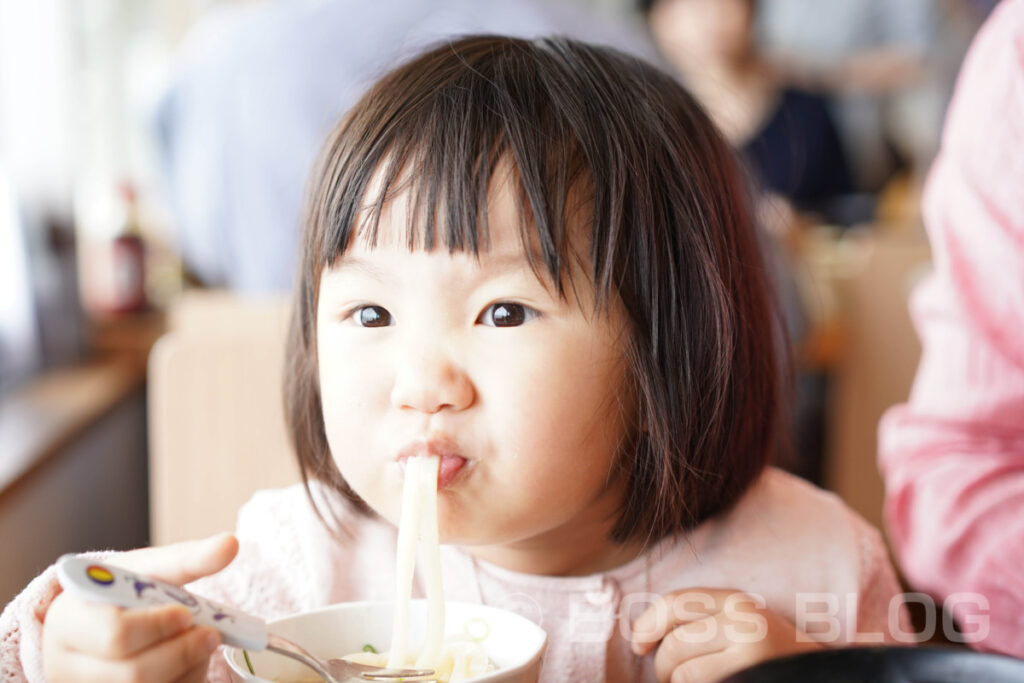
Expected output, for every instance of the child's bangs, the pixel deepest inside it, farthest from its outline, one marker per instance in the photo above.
(448, 139)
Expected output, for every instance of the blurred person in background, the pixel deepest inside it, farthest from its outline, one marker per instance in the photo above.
(257, 87)
(887, 66)
(786, 135)
(953, 455)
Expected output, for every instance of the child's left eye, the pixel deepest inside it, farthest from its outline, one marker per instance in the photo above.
(506, 315)
(371, 316)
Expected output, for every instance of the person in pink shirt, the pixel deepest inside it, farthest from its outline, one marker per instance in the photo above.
(536, 262)
(953, 455)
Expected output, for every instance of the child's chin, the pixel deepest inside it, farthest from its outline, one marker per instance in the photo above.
(461, 536)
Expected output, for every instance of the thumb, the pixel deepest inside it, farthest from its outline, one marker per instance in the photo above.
(181, 563)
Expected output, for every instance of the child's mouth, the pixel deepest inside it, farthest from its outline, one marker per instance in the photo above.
(452, 463)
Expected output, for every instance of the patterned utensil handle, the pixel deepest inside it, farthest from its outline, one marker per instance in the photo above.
(98, 581)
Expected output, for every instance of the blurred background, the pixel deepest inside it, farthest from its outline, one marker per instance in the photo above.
(153, 155)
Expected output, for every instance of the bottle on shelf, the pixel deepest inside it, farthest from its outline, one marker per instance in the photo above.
(127, 291)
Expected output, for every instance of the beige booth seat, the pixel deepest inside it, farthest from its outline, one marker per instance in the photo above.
(216, 423)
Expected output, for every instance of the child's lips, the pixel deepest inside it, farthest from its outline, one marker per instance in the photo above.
(452, 462)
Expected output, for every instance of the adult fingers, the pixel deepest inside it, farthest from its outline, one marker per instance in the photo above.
(674, 609)
(181, 563)
(112, 632)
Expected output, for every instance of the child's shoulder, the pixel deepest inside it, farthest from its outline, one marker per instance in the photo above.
(784, 540)
(774, 481)
(776, 486)
(781, 499)
(782, 517)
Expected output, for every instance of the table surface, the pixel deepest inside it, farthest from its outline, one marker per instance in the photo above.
(39, 419)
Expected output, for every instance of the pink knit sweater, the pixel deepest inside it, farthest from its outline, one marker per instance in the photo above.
(785, 539)
(953, 455)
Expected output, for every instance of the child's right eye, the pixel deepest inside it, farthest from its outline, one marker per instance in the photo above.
(371, 316)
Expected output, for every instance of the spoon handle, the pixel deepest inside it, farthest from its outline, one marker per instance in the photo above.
(98, 581)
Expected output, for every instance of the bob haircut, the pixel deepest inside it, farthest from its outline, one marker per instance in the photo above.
(670, 234)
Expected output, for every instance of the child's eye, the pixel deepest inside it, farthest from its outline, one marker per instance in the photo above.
(506, 315)
(371, 316)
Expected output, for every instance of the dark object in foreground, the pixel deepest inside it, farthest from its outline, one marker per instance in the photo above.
(886, 665)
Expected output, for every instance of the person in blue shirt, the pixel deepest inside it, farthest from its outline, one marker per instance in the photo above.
(258, 87)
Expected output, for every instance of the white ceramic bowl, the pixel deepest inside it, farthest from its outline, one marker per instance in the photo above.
(515, 644)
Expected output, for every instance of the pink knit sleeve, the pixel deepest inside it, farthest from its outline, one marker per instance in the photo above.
(953, 456)
(21, 627)
(21, 630)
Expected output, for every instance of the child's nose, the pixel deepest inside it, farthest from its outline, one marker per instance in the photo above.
(431, 381)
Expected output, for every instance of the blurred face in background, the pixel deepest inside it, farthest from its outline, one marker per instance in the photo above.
(703, 34)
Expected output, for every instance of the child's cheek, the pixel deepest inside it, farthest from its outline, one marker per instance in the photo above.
(380, 486)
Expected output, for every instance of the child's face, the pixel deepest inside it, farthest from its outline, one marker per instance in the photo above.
(481, 363)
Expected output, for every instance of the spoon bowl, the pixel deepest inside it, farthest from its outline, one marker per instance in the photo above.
(338, 670)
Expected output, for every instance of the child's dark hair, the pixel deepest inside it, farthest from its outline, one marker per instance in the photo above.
(670, 233)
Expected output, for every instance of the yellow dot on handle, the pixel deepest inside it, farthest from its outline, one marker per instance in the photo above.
(100, 575)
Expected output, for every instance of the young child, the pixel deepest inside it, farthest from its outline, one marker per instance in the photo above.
(534, 260)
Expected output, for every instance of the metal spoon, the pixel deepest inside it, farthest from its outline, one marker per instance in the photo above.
(336, 670)
(96, 581)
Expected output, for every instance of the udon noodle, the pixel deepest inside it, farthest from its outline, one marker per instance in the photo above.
(455, 658)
